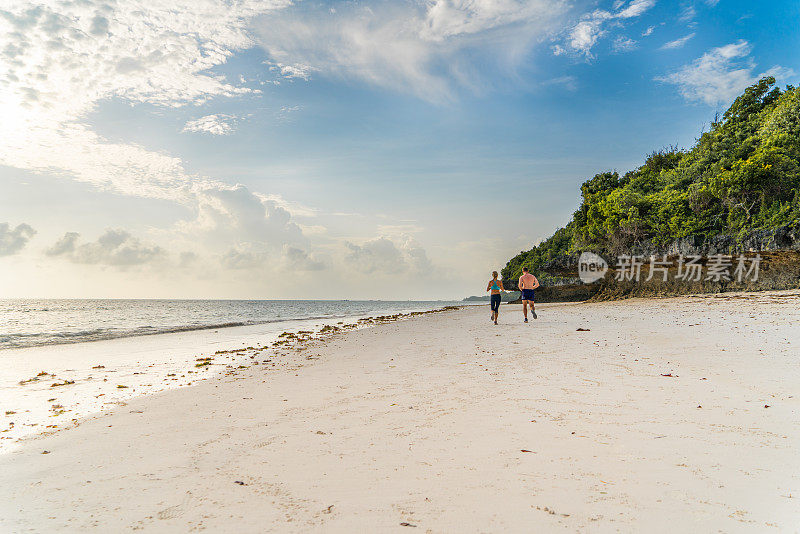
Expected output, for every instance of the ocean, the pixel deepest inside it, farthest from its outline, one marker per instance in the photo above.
(38, 322)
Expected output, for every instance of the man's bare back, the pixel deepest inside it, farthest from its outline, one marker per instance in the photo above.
(528, 281)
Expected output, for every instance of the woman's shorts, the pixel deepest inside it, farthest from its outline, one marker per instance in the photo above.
(494, 302)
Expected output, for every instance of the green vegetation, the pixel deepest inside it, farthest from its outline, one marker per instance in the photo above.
(742, 175)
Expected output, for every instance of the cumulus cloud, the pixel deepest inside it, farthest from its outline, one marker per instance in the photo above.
(115, 247)
(720, 75)
(61, 58)
(289, 259)
(242, 259)
(581, 38)
(14, 240)
(290, 72)
(586, 33)
(216, 124)
(256, 231)
(415, 47)
(416, 257)
(384, 256)
(299, 260)
(228, 214)
(677, 43)
(378, 255)
(187, 258)
(64, 246)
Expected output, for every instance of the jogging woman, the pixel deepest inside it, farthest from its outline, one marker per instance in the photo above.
(495, 286)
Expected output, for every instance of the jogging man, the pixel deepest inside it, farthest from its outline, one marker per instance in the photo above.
(527, 283)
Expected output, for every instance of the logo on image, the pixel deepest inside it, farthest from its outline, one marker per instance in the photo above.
(591, 267)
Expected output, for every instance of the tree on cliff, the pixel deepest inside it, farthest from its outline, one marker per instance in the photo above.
(742, 175)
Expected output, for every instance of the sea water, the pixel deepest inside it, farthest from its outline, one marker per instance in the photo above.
(38, 322)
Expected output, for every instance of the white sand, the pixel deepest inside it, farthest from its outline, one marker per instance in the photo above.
(424, 422)
(52, 386)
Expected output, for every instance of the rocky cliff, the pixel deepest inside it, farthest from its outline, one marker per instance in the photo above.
(778, 251)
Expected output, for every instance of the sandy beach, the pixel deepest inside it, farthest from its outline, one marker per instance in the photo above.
(673, 415)
(53, 386)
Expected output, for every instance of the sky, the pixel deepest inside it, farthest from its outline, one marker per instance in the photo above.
(280, 149)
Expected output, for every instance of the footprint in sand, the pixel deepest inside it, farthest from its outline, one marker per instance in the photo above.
(178, 510)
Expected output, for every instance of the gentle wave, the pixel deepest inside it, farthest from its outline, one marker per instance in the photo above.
(58, 338)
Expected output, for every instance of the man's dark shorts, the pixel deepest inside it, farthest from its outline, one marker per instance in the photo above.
(527, 294)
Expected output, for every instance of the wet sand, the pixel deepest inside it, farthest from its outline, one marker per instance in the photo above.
(658, 415)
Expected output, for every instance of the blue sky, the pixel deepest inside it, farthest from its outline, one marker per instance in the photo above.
(339, 149)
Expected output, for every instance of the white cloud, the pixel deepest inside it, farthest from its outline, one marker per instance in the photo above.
(187, 258)
(581, 38)
(242, 259)
(216, 124)
(648, 31)
(382, 256)
(12, 241)
(720, 75)
(296, 209)
(115, 247)
(451, 18)
(65, 245)
(234, 214)
(688, 13)
(636, 8)
(624, 44)
(297, 259)
(61, 58)
(414, 47)
(291, 72)
(286, 113)
(289, 260)
(586, 33)
(677, 43)
(570, 83)
(416, 256)
(256, 232)
(376, 256)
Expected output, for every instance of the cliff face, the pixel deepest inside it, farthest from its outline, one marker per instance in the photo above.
(566, 293)
(782, 239)
(779, 268)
